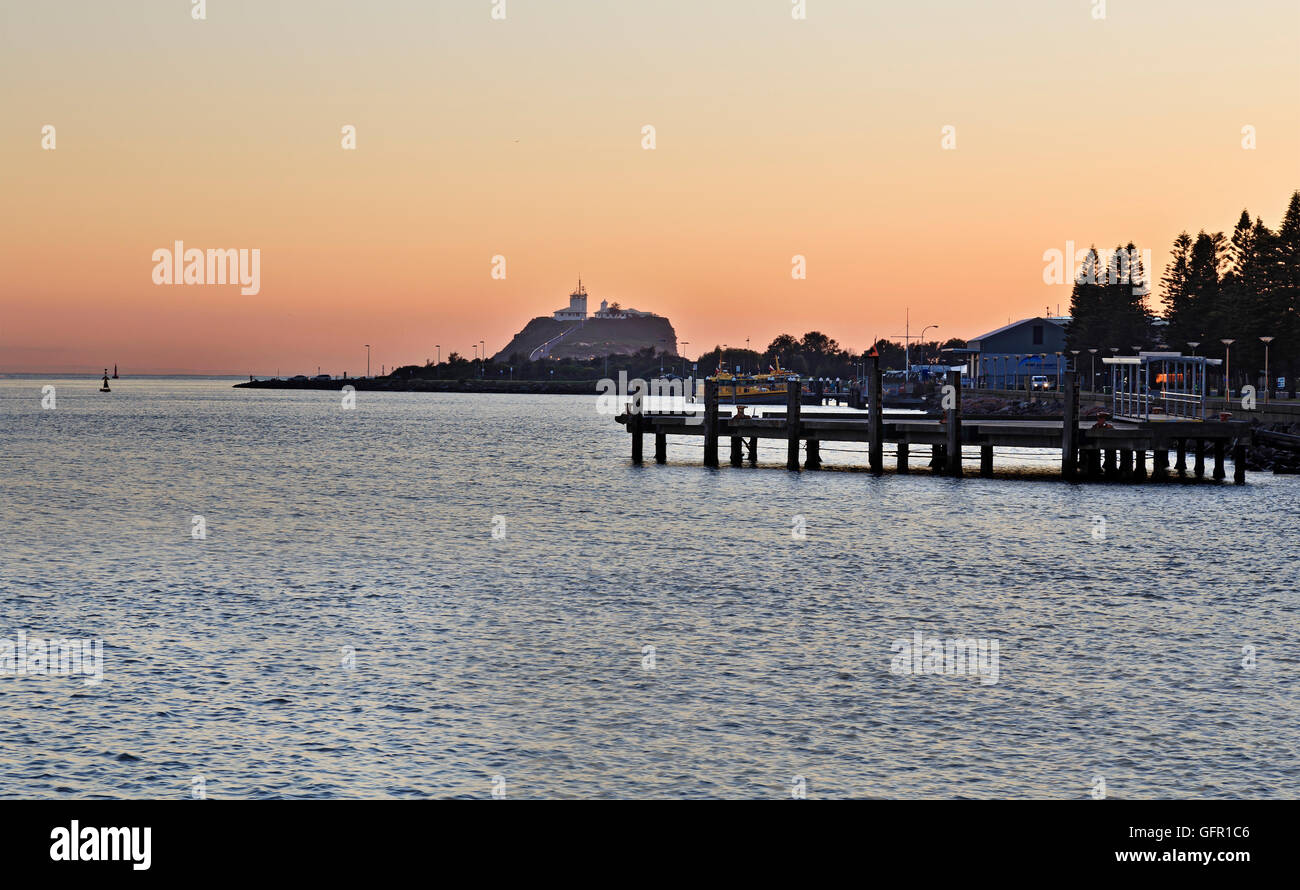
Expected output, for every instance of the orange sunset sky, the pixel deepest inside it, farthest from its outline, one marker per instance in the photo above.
(523, 137)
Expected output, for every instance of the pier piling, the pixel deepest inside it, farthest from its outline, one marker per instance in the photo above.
(638, 427)
(736, 454)
(661, 448)
(1239, 462)
(710, 423)
(954, 425)
(1069, 427)
(814, 458)
(986, 460)
(793, 393)
(1218, 459)
(875, 416)
(902, 457)
(1160, 462)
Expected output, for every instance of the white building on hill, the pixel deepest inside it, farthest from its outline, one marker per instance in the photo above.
(577, 310)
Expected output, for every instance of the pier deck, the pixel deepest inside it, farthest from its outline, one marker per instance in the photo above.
(1111, 449)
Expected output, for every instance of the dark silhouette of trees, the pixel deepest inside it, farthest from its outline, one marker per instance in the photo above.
(1241, 287)
(1215, 287)
(1108, 303)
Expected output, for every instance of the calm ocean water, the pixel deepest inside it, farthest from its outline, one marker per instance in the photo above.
(350, 627)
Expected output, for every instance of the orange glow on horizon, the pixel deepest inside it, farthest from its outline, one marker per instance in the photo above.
(522, 138)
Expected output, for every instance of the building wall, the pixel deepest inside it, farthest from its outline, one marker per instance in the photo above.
(1008, 358)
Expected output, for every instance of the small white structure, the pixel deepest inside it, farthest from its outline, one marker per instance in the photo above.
(619, 312)
(577, 310)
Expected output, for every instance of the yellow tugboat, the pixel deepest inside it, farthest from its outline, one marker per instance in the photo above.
(754, 389)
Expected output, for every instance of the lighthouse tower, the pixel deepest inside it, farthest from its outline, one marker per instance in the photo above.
(577, 310)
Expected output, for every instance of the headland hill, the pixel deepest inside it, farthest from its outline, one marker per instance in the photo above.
(560, 353)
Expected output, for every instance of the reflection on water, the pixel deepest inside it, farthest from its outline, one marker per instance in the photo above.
(350, 626)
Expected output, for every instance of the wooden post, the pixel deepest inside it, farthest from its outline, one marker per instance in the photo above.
(902, 456)
(986, 460)
(753, 450)
(938, 459)
(814, 460)
(1160, 462)
(736, 443)
(1219, 448)
(1181, 464)
(638, 424)
(1070, 427)
(1140, 464)
(1092, 463)
(1200, 459)
(875, 416)
(710, 423)
(1125, 462)
(1108, 465)
(954, 425)
(661, 448)
(1239, 462)
(792, 401)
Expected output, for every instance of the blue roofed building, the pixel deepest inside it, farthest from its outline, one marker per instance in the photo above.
(1011, 356)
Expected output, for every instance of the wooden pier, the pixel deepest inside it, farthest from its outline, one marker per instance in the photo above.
(1111, 449)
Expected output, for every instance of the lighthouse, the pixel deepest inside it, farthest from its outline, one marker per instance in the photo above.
(577, 310)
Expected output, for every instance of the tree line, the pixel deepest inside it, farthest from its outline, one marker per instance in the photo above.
(1239, 287)
(817, 355)
(813, 355)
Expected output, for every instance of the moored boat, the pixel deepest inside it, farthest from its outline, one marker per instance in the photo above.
(756, 389)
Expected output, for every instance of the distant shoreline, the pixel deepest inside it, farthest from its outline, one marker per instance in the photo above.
(421, 384)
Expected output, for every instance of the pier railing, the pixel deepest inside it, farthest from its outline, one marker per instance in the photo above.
(1178, 380)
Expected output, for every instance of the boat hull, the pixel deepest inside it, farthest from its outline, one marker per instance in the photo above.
(806, 398)
(766, 398)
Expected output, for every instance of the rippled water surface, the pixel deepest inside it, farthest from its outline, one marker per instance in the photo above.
(367, 535)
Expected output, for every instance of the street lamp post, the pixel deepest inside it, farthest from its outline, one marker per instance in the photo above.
(921, 338)
(1268, 381)
(1092, 381)
(907, 350)
(1193, 344)
(367, 359)
(1227, 368)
